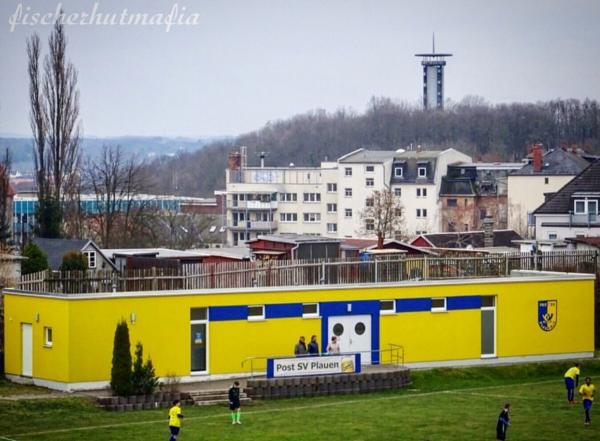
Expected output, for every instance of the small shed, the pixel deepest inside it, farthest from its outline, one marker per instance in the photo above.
(294, 246)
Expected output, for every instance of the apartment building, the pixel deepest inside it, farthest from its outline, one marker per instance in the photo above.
(329, 200)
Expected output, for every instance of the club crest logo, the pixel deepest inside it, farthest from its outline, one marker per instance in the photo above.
(547, 314)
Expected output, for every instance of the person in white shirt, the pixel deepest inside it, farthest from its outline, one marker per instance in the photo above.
(334, 346)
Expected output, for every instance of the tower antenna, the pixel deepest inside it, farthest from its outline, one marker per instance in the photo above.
(433, 42)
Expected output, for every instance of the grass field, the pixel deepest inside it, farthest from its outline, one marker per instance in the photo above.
(442, 404)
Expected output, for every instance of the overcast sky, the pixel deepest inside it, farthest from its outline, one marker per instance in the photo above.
(246, 62)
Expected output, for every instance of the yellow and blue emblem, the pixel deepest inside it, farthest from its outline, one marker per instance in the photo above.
(547, 314)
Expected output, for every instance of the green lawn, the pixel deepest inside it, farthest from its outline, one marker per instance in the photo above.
(442, 404)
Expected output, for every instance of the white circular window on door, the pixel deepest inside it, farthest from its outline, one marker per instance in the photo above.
(360, 328)
(338, 329)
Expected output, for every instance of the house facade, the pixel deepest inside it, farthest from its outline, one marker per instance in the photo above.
(545, 173)
(572, 211)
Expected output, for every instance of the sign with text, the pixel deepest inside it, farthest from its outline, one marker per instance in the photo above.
(320, 365)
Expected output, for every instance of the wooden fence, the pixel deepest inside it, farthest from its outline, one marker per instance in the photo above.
(304, 272)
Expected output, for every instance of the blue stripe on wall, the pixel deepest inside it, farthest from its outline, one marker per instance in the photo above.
(463, 302)
(221, 313)
(413, 305)
(283, 310)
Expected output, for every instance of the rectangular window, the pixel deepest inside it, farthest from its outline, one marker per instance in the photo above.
(369, 202)
(451, 203)
(397, 192)
(482, 213)
(312, 197)
(369, 182)
(580, 207)
(398, 172)
(91, 258)
(424, 211)
(288, 197)
(387, 307)
(424, 192)
(312, 217)
(398, 212)
(198, 314)
(488, 301)
(370, 225)
(310, 310)
(370, 168)
(552, 236)
(592, 207)
(348, 171)
(418, 192)
(331, 188)
(288, 217)
(418, 212)
(348, 212)
(331, 208)
(422, 172)
(348, 192)
(488, 326)
(48, 340)
(438, 305)
(546, 180)
(256, 312)
(332, 228)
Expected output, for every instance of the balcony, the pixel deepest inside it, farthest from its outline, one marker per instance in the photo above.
(252, 205)
(588, 219)
(255, 226)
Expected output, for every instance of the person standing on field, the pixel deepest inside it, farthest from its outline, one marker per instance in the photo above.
(571, 382)
(175, 417)
(503, 423)
(234, 402)
(587, 392)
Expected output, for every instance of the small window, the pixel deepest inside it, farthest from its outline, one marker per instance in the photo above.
(387, 307)
(422, 172)
(398, 172)
(332, 188)
(552, 236)
(369, 202)
(424, 192)
(198, 314)
(370, 182)
(348, 212)
(370, 168)
(451, 203)
(370, 225)
(48, 340)
(397, 192)
(310, 310)
(91, 258)
(348, 192)
(418, 192)
(488, 301)
(348, 171)
(332, 228)
(256, 312)
(580, 207)
(418, 212)
(312, 217)
(398, 212)
(546, 180)
(331, 208)
(438, 305)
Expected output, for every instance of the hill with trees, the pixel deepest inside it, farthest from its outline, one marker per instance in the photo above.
(492, 132)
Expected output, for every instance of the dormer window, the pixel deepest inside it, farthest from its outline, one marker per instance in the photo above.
(422, 172)
(398, 172)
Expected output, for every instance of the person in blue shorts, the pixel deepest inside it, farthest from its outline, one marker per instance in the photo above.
(571, 382)
(175, 417)
(587, 392)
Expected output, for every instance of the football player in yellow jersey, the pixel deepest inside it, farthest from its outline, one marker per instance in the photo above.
(175, 417)
(571, 382)
(587, 392)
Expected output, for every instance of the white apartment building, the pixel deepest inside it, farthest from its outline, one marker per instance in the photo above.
(328, 200)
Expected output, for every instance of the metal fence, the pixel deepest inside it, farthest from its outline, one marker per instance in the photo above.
(305, 272)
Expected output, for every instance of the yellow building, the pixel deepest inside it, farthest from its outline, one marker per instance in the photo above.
(64, 341)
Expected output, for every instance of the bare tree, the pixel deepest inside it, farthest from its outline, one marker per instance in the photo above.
(5, 199)
(54, 120)
(383, 216)
(116, 181)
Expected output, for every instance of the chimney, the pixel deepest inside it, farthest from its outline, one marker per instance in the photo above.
(234, 161)
(262, 159)
(488, 232)
(537, 158)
